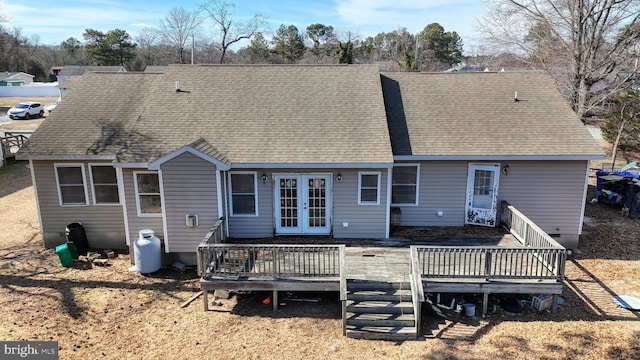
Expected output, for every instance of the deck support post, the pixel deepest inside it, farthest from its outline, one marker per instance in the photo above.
(344, 317)
(205, 299)
(485, 304)
(554, 302)
(274, 300)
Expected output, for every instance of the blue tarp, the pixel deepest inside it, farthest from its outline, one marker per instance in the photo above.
(619, 187)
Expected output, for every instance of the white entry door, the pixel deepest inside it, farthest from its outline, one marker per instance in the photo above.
(303, 203)
(482, 194)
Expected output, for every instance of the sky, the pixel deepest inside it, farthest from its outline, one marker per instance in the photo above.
(51, 22)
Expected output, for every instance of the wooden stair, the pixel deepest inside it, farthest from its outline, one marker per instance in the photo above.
(380, 310)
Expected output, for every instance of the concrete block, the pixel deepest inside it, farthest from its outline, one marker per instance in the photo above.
(221, 294)
(179, 266)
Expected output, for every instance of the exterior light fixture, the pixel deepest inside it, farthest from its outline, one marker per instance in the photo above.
(264, 178)
(339, 177)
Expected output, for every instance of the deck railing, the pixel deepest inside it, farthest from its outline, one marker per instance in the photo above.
(490, 263)
(541, 258)
(525, 230)
(14, 139)
(417, 289)
(216, 235)
(270, 261)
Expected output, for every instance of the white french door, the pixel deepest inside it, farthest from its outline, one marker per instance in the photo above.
(303, 203)
(482, 194)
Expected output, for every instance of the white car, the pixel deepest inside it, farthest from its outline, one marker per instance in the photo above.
(52, 106)
(26, 110)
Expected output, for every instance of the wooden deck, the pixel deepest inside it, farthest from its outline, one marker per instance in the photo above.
(443, 269)
(523, 260)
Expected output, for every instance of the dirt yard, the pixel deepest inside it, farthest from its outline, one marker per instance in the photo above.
(108, 312)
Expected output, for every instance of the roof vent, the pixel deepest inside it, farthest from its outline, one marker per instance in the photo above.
(515, 97)
(178, 88)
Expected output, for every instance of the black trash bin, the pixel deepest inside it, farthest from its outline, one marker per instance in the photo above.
(75, 233)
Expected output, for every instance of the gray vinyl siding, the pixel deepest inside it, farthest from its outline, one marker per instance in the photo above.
(364, 221)
(137, 223)
(189, 184)
(254, 226)
(442, 188)
(549, 192)
(103, 224)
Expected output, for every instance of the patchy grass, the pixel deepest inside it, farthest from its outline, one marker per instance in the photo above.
(111, 313)
(7, 102)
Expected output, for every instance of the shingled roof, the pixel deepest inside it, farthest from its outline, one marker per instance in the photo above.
(290, 115)
(78, 70)
(251, 114)
(474, 116)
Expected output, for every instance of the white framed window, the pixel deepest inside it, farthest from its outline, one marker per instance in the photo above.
(369, 188)
(244, 193)
(72, 189)
(147, 186)
(104, 183)
(404, 184)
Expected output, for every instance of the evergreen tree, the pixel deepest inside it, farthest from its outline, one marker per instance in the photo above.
(288, 43)
(107, 49)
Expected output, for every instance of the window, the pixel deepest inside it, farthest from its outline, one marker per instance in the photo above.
(105, 184)
(148, 197)
(71, 186)
(369, 188)
(404, 185)
(243, 193)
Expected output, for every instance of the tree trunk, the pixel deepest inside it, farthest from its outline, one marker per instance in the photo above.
(614, 151)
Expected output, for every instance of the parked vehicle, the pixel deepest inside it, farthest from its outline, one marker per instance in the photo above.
(26, 110)
(52, 106)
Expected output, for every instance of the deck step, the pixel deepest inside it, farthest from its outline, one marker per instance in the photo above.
(356, 284)
(380, 294)
(380, 306)
(381, 319)
(380, 309)
(382, 332)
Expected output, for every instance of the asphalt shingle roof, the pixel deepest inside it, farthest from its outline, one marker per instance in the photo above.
(95, 119)
(77, 70)
(250, 114)
(275, 114)
(474, 114)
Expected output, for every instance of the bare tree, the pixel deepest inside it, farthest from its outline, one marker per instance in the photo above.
(584, 44)
(230, 30)
(178, 27)
(147, 38)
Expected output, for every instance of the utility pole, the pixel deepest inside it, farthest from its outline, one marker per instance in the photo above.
(193, 46)
(416, 54)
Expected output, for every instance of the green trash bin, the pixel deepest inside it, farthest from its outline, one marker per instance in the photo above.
(72, 250)
(64, 254)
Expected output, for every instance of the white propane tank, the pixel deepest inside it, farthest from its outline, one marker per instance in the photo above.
(147, 252)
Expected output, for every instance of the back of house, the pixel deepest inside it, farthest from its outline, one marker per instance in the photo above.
(305, 150)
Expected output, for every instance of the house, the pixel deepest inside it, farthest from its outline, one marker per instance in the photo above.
(15, 79)
(305, 150)
(66, 87)
(155, 69)
(53, 73)
(69, 72)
